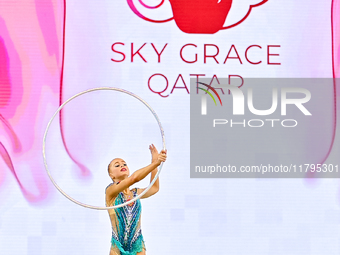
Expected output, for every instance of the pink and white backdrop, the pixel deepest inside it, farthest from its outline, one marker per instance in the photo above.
(53, 49)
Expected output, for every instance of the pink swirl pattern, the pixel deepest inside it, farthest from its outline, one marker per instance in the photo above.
(134, 9)
(31, 70)
(151, 7)
(336, 59)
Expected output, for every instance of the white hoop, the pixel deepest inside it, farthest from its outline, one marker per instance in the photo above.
(44, 154)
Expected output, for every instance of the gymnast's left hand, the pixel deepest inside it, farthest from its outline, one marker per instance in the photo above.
(154, 153)
(161, 157)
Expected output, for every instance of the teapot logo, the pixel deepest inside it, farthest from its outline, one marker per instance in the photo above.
(201, 16)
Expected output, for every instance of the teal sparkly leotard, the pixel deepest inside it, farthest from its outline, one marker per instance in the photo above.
(126, 226)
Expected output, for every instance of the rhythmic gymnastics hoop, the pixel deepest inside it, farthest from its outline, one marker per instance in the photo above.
(44, 152)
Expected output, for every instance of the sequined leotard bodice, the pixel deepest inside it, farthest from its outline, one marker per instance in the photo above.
(127, 235)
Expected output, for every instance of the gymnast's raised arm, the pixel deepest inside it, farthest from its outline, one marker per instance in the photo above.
(155, 187)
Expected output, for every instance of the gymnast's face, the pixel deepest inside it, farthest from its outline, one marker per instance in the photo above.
(118, 169)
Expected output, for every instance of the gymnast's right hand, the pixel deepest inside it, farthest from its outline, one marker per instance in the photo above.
(161, 157)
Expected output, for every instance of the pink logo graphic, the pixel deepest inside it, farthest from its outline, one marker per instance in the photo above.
(203, 16)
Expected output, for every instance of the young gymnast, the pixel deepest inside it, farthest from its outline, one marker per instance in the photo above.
(127, 238)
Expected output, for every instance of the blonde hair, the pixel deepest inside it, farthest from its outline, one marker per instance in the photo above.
(108, 170)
